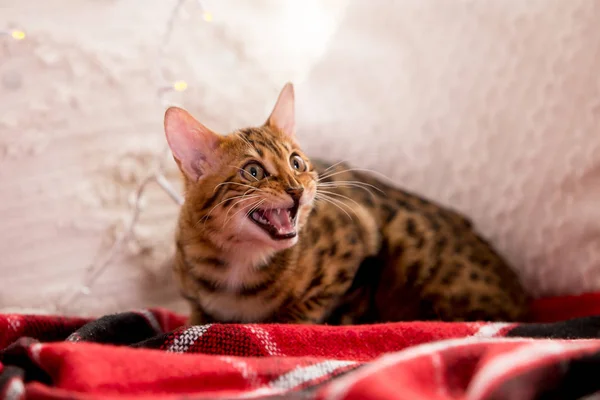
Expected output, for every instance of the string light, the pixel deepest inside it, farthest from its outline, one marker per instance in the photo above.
(15, 34)
(180, 86)
(95, 270)
(18, 35)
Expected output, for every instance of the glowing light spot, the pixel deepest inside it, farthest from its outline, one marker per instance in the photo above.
(18, 35)
(208, 17)
(180, 86)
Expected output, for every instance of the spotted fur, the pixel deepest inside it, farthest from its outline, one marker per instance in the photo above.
(363, 251)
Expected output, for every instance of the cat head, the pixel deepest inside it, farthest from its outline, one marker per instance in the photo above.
(253, 186)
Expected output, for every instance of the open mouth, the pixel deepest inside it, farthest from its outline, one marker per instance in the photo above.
(279, 223)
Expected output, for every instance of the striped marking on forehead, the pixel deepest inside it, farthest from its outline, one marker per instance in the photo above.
(263, 141)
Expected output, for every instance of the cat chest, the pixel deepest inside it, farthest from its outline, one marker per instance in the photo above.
(226, 306)
(240, 293)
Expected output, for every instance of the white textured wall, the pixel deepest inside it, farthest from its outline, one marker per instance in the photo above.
(492, 106)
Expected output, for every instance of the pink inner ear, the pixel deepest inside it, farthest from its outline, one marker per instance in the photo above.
(283, 115)
(191, 143)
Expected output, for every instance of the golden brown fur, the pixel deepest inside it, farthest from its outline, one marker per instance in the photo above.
(363, 251)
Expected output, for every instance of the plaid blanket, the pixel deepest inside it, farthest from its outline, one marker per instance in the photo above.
(150, 354)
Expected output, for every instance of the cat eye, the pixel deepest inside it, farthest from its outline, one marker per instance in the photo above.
(253, 172)
(297, 163)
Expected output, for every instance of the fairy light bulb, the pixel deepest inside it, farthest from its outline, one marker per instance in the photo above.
(17, 35)
(180, 86)
(208, 17)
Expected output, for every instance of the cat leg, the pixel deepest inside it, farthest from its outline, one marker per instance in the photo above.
(197, 316)
(312, 310)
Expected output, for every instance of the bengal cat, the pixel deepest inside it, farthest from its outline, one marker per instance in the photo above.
(267, 235)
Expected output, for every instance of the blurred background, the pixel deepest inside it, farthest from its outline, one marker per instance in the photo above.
(492, 107)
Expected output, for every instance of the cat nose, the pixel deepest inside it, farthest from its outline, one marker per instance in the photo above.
(295, 192)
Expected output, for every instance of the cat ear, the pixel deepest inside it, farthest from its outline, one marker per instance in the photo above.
(193, 145)
(283, 115)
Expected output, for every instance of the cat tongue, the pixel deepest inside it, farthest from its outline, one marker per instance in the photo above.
(280, 219)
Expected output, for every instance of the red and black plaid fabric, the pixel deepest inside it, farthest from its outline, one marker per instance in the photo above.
(150, 354)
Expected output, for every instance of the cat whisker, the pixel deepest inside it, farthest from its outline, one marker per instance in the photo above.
(357, 184)
(327, 196)
(250, 210)
(325, 176)
(334, 165)
(319, 187)
(237, 183)
(337, 194)
(236, 203)
(328, 200)
(223, 201)
(334, 202)
(205, 219)
(333, 173)
(253, 207)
